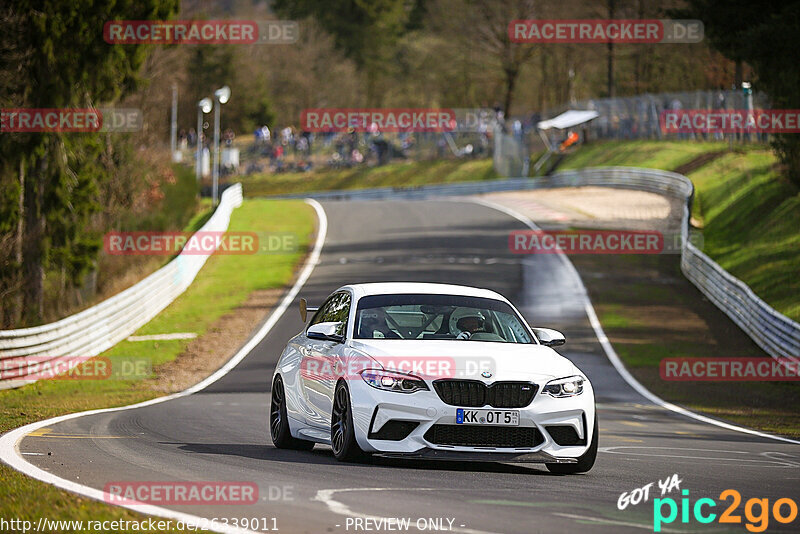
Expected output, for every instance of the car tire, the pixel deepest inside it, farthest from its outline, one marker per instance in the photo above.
(279, 423)
(343, 436)
(585, 461)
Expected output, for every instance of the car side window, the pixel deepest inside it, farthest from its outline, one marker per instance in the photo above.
(335, 309)
(319, 317)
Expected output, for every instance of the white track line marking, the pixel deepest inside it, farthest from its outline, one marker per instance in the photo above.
(337, 507)
(771, 462)
(609, 350)
(163, 337)
(9, 442)
(615, 522)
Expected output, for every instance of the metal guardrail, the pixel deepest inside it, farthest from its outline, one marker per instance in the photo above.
(96, 329)
(562, 179)
(778, 335)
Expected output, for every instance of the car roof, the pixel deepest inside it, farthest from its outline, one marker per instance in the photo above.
(392, 288)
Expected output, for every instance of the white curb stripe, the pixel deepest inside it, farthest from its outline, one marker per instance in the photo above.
(163, 337)
(9, 442)
(337, 507)
(609, 350)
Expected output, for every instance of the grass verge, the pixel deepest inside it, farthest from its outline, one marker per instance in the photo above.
(168, 206)
(650, 311)
(748, 212)
(749, 215)
(666, 155)
(405, 174)
(223, 284)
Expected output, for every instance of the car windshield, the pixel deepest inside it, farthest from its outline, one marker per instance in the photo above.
(413, 316)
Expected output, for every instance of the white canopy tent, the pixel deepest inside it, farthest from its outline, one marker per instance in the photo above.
(568, 119)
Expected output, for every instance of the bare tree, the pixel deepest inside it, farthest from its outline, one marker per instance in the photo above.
(483, 25)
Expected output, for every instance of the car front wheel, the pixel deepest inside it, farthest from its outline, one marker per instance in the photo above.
(585, 461)
(279, 422)
(343, 437)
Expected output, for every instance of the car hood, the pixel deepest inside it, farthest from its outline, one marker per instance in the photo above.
(433, 359)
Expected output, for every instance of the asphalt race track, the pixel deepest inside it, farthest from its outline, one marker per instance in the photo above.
(221, 432)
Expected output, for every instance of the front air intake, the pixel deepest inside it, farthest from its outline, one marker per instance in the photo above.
(484, 436)
(474, 393)
(394, 430)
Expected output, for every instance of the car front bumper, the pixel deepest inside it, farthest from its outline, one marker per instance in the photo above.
(373, 408)
(538, 457)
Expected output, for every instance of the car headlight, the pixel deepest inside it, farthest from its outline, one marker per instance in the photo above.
(393, 381)
(564, 387)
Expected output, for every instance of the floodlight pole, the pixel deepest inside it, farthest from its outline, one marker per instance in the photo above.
(215, 170)
(173, 134)
(221, 96)
(204, 106)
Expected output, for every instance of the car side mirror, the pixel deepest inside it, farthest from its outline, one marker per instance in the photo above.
(305, 309)
(549, 337)
(326, 331)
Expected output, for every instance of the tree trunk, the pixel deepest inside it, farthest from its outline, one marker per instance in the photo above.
(373, 98)
(21, 207)
(14, 314)
(738, 75)
(611, 91)
(637, 68)
(511, 81)
(33, 246)
(545, 77)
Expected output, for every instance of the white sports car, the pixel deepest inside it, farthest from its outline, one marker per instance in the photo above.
(431, 371)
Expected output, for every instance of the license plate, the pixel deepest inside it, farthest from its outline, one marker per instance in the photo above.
(487, 417)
